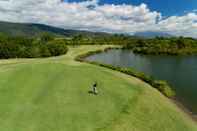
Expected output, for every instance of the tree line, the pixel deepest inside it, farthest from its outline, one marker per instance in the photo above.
(157, 45)
(21, 47)
(160, 45)
(46, 45)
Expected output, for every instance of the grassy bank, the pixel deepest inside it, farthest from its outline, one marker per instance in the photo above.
(52, 94)
(160, 85)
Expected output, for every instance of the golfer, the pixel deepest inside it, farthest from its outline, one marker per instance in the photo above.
(94, 88)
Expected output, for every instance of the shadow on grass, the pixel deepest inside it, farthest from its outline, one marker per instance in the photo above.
(92, 93)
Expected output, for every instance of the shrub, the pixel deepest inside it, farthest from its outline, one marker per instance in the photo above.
(56, 48)
(45, 51)
(164, 87)
(45, 37)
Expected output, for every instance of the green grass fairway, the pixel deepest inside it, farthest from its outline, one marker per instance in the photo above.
(52, 95)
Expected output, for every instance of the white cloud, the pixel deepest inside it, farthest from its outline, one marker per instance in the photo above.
(89, 15)
(180, 25)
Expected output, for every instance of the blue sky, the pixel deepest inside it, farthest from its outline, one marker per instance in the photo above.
(166, 7)
(176, 17)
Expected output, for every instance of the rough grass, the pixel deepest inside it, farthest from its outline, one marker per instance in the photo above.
(52, 95)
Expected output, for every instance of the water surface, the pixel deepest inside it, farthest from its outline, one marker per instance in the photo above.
(179, 71)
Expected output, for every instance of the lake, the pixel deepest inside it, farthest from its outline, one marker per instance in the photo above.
(179, 71)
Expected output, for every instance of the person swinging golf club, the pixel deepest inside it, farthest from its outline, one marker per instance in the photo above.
(94, 88)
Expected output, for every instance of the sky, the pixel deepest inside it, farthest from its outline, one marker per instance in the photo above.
(176, 17)
(167, 7)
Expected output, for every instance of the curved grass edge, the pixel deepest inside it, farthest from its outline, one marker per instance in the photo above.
(160, 85)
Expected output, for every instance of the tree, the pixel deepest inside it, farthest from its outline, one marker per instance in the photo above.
(45, 37)
(56, 48)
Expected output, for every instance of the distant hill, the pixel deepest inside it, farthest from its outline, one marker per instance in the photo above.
(31, 29)
(28, 29)
(152, 34)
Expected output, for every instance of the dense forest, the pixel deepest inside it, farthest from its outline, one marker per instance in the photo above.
(21, 47)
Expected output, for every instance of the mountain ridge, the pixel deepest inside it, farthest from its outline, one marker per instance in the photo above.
(152, 34)
(34, 29)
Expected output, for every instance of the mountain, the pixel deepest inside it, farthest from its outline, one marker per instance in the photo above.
(152, 34)
(30, 29)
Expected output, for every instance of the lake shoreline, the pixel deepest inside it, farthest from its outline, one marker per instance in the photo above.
(174, 100)
(181, 106)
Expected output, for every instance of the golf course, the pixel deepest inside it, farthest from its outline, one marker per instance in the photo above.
(52, 94)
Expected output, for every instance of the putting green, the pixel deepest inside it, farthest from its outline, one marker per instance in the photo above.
(52, 95)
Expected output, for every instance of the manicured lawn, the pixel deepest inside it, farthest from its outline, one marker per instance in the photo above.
(52, 95)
